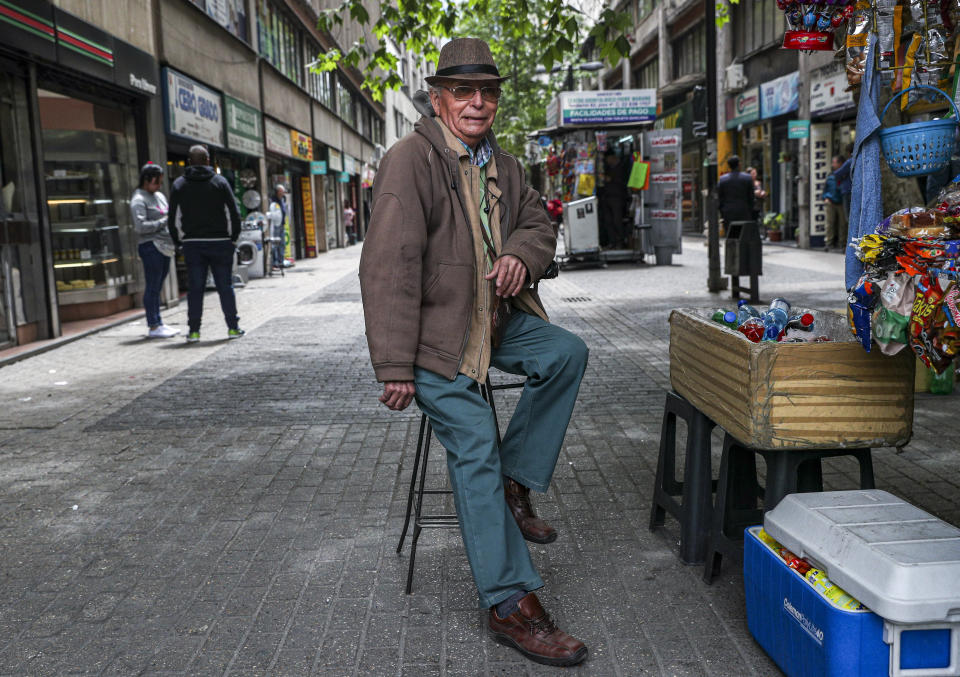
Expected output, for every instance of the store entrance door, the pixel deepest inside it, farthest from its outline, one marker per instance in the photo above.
(334, 238)
(24, 312)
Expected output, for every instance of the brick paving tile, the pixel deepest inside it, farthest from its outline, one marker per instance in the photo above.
(233, 508)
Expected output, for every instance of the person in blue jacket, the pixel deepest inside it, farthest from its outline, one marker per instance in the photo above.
(836, 235)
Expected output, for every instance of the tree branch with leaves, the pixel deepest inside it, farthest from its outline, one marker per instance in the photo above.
(557, 28)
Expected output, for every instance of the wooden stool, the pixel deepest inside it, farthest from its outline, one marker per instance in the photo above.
(789, 471)
(694, 508)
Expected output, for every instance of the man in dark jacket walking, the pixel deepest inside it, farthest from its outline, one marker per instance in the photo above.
(735, 193)
(205, 219)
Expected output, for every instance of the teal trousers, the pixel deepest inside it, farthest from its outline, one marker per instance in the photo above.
(553, 360)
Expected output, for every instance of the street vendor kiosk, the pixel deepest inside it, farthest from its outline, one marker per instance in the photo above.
(588, 126)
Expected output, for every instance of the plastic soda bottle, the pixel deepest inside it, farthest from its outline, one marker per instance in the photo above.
(727, 317)
(769, 540)
(838, 596)
(942, 383)
(752, 329)
(745, 311)
(802, 321)
(775, 319)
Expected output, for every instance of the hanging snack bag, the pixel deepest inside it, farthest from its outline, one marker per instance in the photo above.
(922, 318)
(927, 54)
(810, 25)
(860, 303)
(948, 201)
(858, 27)
(890, 330)
(892, 317)
(909, 64)
(946, 338)
(889, 29)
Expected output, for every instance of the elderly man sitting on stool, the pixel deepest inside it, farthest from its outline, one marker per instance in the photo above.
(455, 243)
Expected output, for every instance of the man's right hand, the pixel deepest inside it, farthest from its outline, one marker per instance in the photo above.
(397, 395)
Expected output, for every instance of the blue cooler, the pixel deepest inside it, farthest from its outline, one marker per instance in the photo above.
(900, 562)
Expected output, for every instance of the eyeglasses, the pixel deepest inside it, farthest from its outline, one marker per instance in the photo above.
(466, 93)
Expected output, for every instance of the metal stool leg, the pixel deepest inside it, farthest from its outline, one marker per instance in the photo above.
(417, 525)
(413, 482)
(418, 480)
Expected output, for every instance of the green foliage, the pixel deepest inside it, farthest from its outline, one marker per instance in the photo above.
(525, 95)
(722, 12)
(772, 221)
(551, 27)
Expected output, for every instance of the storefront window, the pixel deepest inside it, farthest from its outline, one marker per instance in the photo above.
(90, 168)
(22, 305)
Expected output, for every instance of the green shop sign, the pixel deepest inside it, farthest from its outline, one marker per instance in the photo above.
(244, 127)
(798, 129)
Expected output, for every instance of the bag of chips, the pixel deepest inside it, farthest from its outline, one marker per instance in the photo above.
(922, 324)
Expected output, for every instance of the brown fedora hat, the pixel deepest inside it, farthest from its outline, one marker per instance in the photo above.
(465, 59)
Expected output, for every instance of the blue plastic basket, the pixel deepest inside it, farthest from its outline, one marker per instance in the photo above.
(920, 147)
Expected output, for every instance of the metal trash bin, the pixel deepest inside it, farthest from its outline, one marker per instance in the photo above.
(743, 251)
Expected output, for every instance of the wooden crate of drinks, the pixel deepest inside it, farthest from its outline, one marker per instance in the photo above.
(773, 395)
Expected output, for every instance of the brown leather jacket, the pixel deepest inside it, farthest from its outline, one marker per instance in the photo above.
(417, 270)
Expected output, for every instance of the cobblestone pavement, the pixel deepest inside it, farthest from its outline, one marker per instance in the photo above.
(233, 507)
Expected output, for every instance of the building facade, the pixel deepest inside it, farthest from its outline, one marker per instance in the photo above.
(668, 53)
(785, 113)
(89, 92)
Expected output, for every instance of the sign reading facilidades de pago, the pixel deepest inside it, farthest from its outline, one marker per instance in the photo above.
(606, 106)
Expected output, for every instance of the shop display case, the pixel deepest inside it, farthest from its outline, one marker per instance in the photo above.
(87, 250)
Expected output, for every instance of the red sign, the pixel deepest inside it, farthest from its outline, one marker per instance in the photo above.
(808, 40)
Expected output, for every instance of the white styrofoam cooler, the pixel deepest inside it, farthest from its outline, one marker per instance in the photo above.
(899, 561)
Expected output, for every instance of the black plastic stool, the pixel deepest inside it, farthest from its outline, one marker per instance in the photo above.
(788, 471)
(693, 511)
(418, 488)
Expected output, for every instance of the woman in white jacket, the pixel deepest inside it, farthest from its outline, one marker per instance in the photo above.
(149, 208)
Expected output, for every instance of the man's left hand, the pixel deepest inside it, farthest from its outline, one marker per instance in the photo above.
(510, 274)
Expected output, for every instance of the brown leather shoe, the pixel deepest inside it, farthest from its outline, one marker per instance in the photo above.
(532, 527)
(530, 631)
